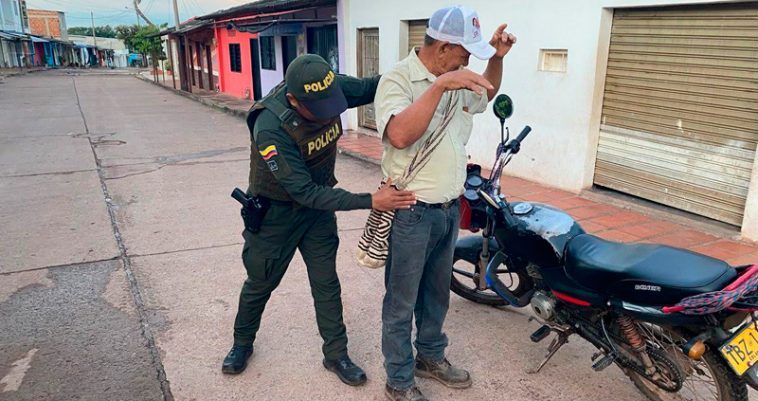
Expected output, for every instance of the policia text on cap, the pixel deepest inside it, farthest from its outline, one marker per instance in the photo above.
(291, 201)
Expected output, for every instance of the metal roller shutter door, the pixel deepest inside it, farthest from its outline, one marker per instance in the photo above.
(680, 110)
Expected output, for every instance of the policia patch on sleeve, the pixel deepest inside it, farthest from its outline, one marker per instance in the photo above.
(268, 156)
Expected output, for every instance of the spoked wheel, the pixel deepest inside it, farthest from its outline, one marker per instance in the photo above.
(708, 379)
(466, 279)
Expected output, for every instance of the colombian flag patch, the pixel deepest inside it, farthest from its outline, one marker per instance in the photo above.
(268, 153)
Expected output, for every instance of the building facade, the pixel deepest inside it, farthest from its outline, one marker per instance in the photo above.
(256, 42)
(48, 23)
(16, 47)
(657, 99)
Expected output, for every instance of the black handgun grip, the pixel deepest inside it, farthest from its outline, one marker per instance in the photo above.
(240, 197)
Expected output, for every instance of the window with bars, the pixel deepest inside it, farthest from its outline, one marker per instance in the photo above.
(235, 59)
(268, 53)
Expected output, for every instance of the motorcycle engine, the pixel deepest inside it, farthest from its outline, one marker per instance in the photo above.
(543, 305)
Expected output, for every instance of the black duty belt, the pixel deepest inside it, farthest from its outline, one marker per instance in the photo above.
(446, 205)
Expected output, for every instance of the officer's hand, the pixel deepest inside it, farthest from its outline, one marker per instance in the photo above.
(464, 79)
(388, 198)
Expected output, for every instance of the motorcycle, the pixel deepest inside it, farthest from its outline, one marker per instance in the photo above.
(680, 325)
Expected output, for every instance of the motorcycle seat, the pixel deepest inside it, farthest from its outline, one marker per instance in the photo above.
(646, 274)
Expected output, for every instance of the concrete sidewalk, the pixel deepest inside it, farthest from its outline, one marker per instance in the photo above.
(609, 216)
(602, 215)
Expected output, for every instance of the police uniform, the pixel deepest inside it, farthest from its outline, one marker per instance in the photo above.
(292, 166)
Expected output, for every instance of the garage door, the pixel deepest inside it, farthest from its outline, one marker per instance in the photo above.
(680, 111)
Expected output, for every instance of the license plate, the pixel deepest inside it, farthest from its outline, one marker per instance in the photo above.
(741, 352)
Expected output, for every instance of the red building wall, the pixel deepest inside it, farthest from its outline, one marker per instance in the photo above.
(238, 84)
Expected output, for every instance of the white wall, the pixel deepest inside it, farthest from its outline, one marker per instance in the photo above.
(271, 78)
(562, 108)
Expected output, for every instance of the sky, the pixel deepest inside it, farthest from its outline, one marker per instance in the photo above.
(117, 12)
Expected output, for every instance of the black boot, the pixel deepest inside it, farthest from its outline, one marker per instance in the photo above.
(236, 360)
(346, 370)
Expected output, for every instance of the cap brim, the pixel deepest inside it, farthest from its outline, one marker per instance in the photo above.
(481, 50)
(328, 108)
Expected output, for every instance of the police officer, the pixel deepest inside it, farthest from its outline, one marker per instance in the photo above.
(294, 132)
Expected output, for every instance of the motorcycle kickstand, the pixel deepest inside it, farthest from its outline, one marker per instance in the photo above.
(557, 343)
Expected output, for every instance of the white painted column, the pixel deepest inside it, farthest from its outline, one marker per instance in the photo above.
(750, 221)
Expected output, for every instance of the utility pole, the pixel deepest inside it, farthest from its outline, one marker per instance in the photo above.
(176, 15)
(140, 14)
(94, 37)
(136, 11)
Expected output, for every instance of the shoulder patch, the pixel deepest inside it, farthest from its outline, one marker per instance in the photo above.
(268, 153)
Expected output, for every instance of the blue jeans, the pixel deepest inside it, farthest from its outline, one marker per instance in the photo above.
(417, 280)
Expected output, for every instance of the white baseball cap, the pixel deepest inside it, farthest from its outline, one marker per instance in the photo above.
(460, 25)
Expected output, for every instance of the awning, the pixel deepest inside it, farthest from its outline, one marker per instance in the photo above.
(15, 35)
(285, 27)
(267, 7)
(38, 40)
(191, 26)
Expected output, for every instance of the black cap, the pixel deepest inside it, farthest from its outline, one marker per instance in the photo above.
(312, 82)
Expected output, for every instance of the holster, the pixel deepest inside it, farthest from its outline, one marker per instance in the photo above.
(253, 209)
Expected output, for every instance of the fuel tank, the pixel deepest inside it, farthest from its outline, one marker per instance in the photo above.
(541, 235)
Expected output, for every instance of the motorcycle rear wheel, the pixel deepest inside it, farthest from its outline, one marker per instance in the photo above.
(709, 379)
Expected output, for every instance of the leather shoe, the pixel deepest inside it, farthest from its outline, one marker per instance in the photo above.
(346, 370)
(443, 372)
(236, 360)
(409, 394)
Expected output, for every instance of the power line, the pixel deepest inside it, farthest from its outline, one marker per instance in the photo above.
(66, 4)
(117, 15)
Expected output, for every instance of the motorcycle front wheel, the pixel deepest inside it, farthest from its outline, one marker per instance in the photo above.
(708, 379)
(466, 276)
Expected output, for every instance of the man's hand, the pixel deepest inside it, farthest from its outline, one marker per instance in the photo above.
(502, 41)
(388, 198)
(463, 79)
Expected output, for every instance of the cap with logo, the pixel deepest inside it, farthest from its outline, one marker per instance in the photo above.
(460, 25)
(312, 82)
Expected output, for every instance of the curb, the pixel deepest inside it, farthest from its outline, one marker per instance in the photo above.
(201, 100)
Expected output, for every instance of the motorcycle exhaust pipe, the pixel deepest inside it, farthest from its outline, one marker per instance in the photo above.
(500, 288)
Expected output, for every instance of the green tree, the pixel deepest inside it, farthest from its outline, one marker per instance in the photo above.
(126, 33)
(105, 31)
(147, 42)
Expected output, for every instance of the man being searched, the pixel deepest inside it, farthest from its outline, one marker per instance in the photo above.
(291, 200)
(430, 97)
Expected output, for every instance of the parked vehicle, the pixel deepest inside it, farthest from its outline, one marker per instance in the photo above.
(680, 325)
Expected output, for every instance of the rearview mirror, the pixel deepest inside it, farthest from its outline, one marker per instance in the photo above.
(503, 107)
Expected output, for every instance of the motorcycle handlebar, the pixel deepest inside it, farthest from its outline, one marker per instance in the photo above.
(524, 132)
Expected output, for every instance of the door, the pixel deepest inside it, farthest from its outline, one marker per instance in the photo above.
(416, 33)
(255, 56)
(323, 41)
(368, 66)
(680, 113)
(289, 50)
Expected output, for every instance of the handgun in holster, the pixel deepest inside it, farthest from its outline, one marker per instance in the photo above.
(253, 210)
